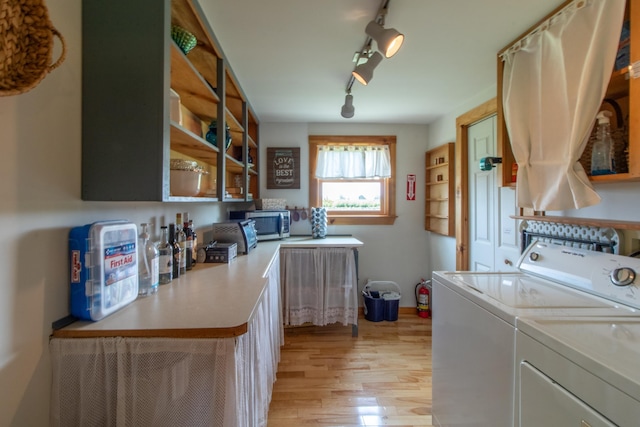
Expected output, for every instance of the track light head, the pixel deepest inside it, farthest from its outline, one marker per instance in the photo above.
(347, 108)
(388, 40)
(364, 72)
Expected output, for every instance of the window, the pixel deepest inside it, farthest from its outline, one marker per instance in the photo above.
(354, 178)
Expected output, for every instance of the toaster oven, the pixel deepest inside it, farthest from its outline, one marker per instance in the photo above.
(243, 233)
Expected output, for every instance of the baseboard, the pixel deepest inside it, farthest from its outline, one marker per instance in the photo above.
(401, 311)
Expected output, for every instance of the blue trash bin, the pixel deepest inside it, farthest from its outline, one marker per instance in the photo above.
(373, 307)
(391, 305)
(381, 301)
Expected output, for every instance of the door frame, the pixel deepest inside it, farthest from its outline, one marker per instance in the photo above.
(463, 122)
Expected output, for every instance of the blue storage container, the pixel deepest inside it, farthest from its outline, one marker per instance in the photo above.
(373, 307)
(391, 306)
(104, 268)
(381, 301)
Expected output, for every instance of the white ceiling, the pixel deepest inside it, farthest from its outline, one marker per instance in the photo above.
(293, 58)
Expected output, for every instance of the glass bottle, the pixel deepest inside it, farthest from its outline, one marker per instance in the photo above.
(601, 159)
(189, 241)
(166, 257)
(177, 251)
(181, 238)
(148, 264)
(195, 241)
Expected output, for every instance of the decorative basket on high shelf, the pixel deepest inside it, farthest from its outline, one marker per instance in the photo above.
(183, 38)
(26, 45)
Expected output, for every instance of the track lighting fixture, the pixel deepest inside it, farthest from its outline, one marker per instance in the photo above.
(364, 72)
(347, 108)
(388, 40)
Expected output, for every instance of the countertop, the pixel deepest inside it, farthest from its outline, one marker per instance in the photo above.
(209, 301)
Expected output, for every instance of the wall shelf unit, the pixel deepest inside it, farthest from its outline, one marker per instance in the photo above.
(439, 183)
(130, 131)
(623, 89)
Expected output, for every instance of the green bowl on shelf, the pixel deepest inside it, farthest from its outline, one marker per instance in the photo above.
(183, 38)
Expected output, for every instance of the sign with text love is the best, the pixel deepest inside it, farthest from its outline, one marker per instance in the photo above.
(283, 167)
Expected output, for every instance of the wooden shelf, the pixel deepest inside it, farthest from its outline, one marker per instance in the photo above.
(438, 216)
(589, 222)
(190, 144)
(195, 93)
(438, 166)
(439, 201)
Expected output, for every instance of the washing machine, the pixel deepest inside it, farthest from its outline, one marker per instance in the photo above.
(476, 362)
(578, 372)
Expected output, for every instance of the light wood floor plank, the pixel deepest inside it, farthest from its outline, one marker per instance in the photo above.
(326, 377)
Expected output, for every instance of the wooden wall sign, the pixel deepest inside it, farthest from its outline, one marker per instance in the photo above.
(283, 167)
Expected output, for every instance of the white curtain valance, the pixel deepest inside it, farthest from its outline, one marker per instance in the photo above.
(554, 82)
(353, 161)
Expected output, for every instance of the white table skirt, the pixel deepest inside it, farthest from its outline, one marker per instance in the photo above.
(221, 382)
(319, 286)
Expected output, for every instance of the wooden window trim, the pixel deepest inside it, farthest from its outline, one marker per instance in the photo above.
(389, 190)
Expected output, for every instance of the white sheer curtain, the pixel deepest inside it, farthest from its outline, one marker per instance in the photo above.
(555, 79)
(216, 382)
(143, 381)
(353, 161)
(319, 286)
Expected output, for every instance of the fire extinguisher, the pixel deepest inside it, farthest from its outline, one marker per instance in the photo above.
(422, 298)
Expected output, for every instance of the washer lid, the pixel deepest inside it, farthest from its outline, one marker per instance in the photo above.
(520, 291)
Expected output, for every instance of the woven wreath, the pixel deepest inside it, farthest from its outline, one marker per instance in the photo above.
(26, 44)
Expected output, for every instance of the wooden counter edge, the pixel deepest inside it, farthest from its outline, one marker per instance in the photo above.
(156, 333)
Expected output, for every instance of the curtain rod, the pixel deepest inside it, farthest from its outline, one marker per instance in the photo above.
(542, 24)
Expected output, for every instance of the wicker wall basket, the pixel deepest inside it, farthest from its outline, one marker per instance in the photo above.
(26, 45)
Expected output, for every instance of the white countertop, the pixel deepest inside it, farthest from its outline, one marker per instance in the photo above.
(210, 301)
(328, 242)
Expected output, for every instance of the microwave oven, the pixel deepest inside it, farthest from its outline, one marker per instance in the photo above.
(241, 232)
(270, 224)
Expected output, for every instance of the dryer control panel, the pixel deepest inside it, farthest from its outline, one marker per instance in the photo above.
(610, 276)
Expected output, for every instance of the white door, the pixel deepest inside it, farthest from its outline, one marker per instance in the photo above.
(481, 137)
(493, 234)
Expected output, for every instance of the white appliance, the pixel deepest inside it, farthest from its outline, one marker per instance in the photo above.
(269, 224)
(477, 362)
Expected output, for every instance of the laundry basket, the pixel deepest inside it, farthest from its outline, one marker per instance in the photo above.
(381, 300)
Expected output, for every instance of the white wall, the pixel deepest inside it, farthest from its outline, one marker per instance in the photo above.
(442, 249)
(395, 252)
(619, 202)
(40, 192)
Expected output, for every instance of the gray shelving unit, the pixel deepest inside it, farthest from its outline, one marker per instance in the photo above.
(129, 64)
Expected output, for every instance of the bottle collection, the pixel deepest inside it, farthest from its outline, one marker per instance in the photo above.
(166, 260)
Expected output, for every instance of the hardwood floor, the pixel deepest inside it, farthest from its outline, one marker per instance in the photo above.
(326, 377)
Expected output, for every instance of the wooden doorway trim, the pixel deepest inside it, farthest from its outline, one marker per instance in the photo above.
(482, 111)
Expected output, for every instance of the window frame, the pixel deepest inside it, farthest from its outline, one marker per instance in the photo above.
(388, 190)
